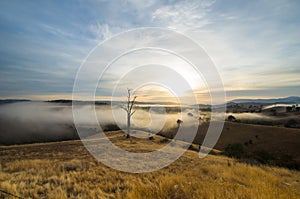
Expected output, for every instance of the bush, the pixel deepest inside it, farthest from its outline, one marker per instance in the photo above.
(281, 160)
(235, 150)
(111, 127)
(264, 157)
(231, 118)
(291, 123)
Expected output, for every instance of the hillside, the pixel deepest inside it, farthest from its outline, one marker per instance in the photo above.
(66, 170)
(278, 141)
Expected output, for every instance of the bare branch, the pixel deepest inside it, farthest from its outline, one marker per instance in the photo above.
(132, 103)
(128, 99)
(132, 113)
(125, 108)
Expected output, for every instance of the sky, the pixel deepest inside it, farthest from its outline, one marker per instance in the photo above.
(254, 44)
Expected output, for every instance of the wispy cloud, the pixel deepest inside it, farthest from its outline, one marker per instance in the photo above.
(255, 44)
(183, 15)
(101, 31)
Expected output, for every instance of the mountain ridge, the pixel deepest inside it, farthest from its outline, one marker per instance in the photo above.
(290, 100)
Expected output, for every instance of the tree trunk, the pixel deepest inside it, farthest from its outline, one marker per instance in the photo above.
(128, 125)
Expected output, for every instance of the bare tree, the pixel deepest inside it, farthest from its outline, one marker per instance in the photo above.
(128, 108)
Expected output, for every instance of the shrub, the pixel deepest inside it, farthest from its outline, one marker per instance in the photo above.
(111, 127)
(231, 118)
(235, 150)
(264, 157)
(291, 123)
(287, 161)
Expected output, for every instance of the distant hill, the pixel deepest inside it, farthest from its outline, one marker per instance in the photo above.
(101, 102)
(2, 101)
(288, 100)
(64, 101)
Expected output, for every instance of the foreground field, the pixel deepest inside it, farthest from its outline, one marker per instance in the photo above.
(67, 170)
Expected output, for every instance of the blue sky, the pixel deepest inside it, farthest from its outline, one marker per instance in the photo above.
(255, 44)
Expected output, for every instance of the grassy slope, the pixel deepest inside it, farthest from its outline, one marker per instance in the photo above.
(66, 169)
(277, 140)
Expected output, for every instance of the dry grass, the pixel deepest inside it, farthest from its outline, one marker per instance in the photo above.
(66, 170)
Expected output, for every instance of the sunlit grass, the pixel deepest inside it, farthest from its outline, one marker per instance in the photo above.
(66, 170)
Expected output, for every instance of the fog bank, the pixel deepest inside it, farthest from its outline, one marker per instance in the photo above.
(29, 122)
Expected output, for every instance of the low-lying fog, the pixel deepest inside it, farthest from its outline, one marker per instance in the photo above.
(27, 122)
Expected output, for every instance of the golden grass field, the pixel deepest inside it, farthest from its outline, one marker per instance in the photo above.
(66, 170)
